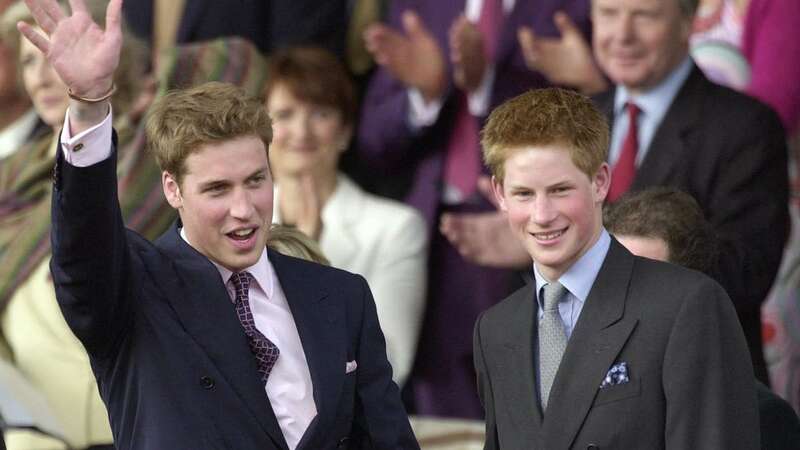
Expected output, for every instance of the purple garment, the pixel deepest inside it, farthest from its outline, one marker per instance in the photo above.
(771, 44)
(443, 379)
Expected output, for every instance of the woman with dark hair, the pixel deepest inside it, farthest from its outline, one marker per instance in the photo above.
(312, 104)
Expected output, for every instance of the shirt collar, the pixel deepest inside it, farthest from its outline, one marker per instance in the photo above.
(261, 271)
(655, 101)
(579, 278)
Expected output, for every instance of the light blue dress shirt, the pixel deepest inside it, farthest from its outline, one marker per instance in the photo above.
(578, 280)
(653, 106)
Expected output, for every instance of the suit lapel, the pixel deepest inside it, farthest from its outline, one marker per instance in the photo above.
(203, 306)
(522, 387)
(669, 146)
(321, 327)
(599, 335)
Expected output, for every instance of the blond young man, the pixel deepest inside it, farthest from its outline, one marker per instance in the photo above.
(603, 349)
(203, 340)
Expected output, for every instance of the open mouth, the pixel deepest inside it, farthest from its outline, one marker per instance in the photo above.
(243, 238)
(549, 235)
(242, 235)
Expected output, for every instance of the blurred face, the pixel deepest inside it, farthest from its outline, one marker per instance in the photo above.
(638, 42)
(225, 201)
(47, 92)
(553, 208)
(306, 138)
(653, 248)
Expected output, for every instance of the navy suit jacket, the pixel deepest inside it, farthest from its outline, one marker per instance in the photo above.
(270, 25)
(171, 359)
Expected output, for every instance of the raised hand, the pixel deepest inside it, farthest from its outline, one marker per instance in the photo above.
(467, 54)
(485, 238)
(413, 57)
(567, 60)
(301, 205)
(83, 55)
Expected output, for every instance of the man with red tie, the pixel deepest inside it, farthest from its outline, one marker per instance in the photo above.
(673, 127)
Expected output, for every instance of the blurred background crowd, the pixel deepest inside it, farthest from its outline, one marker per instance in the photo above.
(377, 107)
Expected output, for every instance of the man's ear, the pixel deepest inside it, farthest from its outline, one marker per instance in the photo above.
(499, 195)
(172, 190)
(601, 183)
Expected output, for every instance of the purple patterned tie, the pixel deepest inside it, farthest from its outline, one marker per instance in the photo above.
(263, 349)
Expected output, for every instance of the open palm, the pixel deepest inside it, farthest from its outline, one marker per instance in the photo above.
(84, 55)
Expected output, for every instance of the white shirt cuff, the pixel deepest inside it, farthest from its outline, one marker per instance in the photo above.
(420, 113)
(478, 100)
(90, 146)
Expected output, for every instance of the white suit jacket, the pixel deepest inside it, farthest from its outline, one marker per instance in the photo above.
(387, 243)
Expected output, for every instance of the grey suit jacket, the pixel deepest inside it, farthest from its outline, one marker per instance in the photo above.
(691, 380)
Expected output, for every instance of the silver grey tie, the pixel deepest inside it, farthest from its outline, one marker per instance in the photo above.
(552, 339)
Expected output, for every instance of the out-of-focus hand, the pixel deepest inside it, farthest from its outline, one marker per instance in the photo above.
(566, 60)
(300, 205)
(467, 54)
(413, 57)
(485, 238)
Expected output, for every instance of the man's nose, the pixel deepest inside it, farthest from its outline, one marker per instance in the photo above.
(241, 205)
(624, 28)
(543, 210)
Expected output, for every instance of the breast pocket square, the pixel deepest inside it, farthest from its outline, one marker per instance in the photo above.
(350, 366)
(617, 374)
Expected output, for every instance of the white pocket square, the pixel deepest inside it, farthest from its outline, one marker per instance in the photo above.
(350, 366)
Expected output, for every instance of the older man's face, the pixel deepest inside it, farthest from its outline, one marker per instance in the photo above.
(639, 42)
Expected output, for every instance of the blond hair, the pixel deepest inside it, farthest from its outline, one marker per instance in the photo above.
(182, 121)
(291, 241)
(545, 117)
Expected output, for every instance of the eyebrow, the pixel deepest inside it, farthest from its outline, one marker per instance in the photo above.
(224, 182)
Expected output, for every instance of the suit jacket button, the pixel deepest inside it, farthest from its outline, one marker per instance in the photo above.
(207, 382)
(343, 442)
(592, 447)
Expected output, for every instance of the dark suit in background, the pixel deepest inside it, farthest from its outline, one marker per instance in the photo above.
(691, 384)
(170, 356)
(780, 427)
(268, 24)
(729, 152)
(443, 380)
